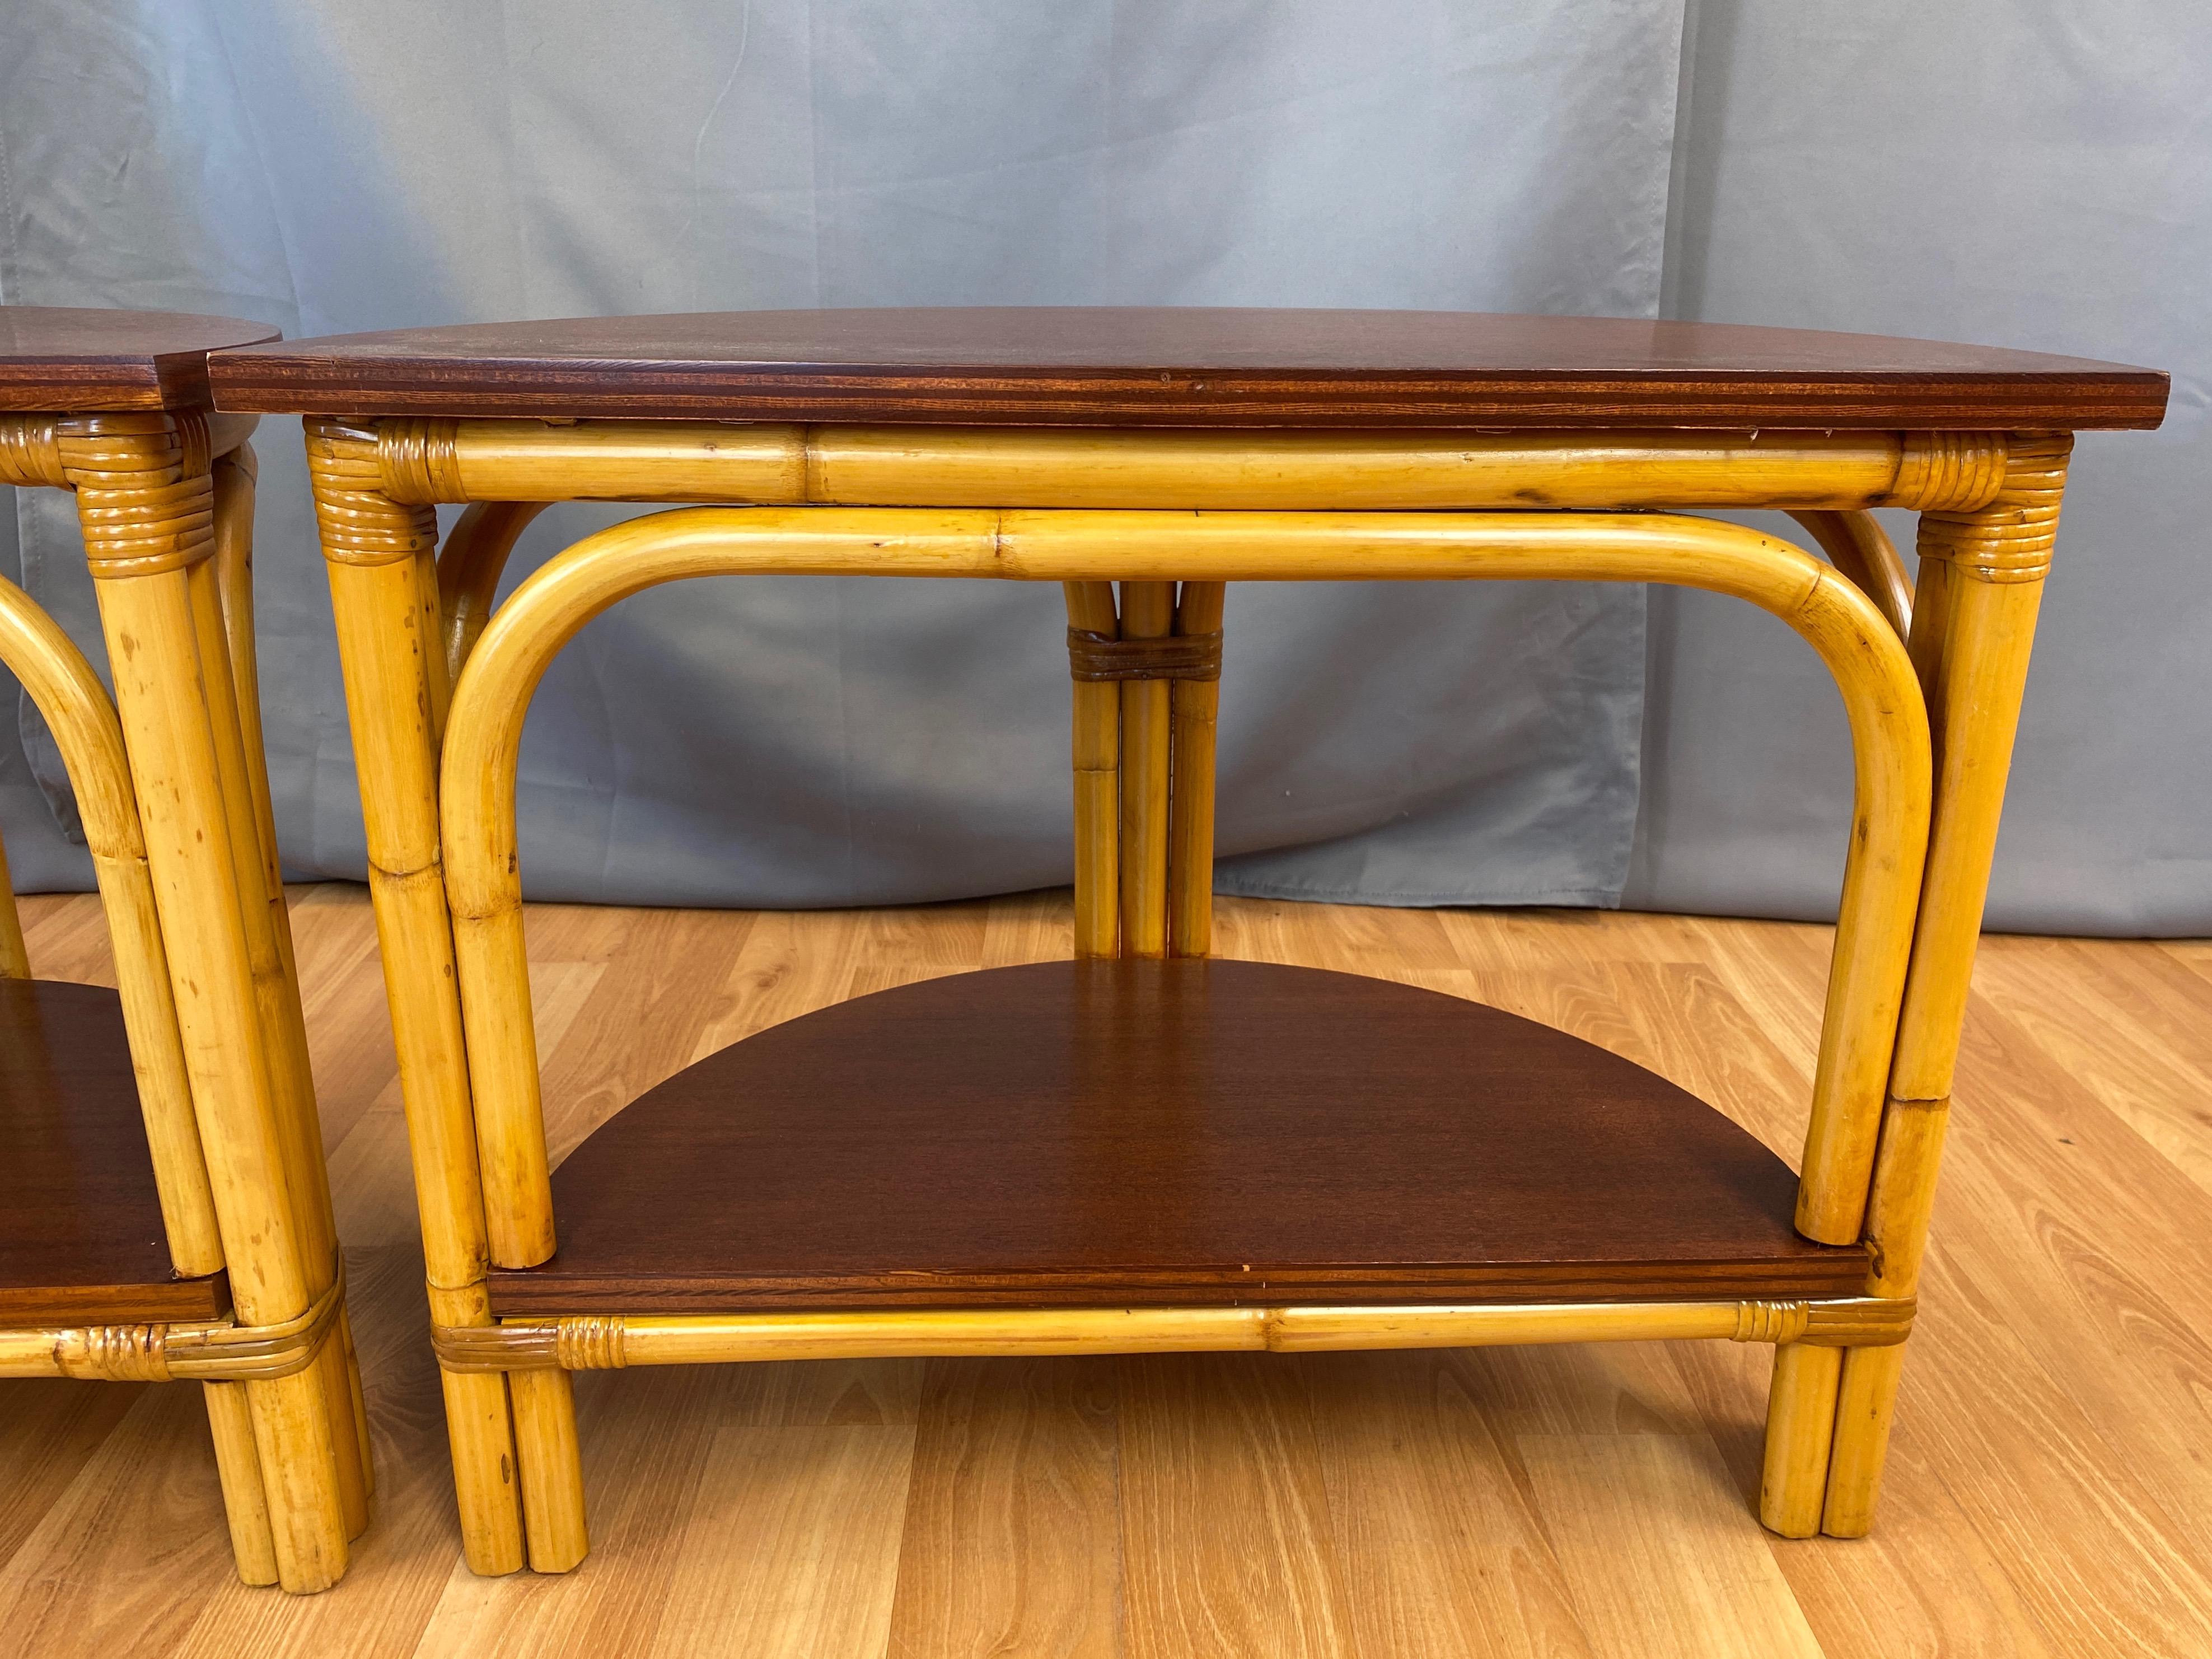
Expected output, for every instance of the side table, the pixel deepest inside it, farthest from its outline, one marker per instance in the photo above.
(1327, 1162)
(165, 1212)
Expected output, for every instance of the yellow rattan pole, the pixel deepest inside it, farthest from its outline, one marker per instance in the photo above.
(501, 460)
(1194, 705)
(146, 502)
(375, 549)
(1147, 613)
(14, 956)
(1098, 767)
(599, 1342)
(475, 552)
(1856, 544)
(1994, 562)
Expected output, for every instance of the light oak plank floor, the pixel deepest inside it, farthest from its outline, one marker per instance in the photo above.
(2050, 1489)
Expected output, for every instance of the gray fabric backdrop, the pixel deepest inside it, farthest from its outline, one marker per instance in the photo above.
(2031, 175)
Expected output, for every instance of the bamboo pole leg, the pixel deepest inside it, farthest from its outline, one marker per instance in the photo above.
(146, 503)
(1864, 1406)
(15, 959)
(333, 1368)
(1147, 613)
(224, 616)
(1193, 708)
(1098, 766)
(480, 1434)
(1981, 585)
(276, 998)
(1801, 1423)
(293, 1436)
(360, 1403)
(244, 1505)
(552, 1469)
(379, 555)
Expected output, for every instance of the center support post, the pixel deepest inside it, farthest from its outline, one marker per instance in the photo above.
(1146, 691)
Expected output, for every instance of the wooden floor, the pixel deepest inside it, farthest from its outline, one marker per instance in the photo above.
(2050, 1489)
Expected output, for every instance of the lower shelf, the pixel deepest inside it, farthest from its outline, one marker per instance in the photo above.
(81, 1238)
(1128, 1134)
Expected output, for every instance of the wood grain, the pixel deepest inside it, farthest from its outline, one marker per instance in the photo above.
(1645, 1529)
(81, 1239)
(1047, 366)
(1300, 1135)
(1012, 1540)
(57, 359)
(792, 1550)
(2045, 1485)
(1227, 1538)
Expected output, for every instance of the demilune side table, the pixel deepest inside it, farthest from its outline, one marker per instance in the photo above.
(1324, 1161)
(165, 1212)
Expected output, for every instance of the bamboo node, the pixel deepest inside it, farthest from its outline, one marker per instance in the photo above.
(1948, 471)
(589, 1343)
(418, 462)
(1096, 657)
(1771, 1321)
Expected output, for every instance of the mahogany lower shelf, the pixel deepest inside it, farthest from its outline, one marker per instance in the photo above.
(81, 1238)
(1114, 1133)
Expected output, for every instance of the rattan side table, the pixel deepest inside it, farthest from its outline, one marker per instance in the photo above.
(165, 1212)
(1329, 1162)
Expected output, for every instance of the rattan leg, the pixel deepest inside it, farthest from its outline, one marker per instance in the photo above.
(1098, 767)
(230, 1424)
(294, 1437)
(1147, 613)
(276, 997)
(15, 959)
(1971, 633)
(361, 1437)
(480, 1436)
(1801, 1423)
(379, 554)
(1866, 1401)
(552, 1469)
(146, 504)
(1193, 705)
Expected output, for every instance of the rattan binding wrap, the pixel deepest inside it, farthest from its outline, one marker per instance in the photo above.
(27, 456)
(221, 1353)
(361, 523)
(1093, 657)
(144, 497)
(2010, 540)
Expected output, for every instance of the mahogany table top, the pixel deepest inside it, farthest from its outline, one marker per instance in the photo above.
(1186, 367)
(61, 359)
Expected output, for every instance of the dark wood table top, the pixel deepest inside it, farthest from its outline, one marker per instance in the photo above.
(1186, 367)
(81, 1238)
(59, 359)
(1109, 1133)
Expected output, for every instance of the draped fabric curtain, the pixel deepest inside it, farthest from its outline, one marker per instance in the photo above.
(2030, 174)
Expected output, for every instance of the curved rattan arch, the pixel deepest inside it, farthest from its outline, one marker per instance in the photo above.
(1880, 694)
